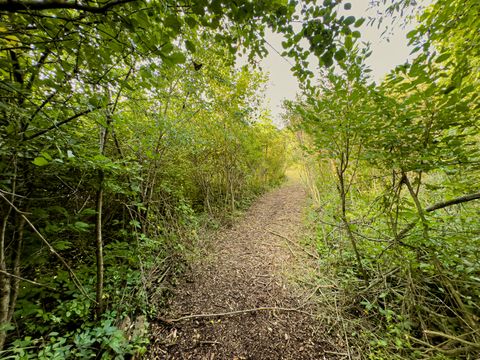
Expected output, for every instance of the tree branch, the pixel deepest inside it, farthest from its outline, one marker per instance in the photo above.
(437, 206)
(14, 6)
(56, 125)
(455, 201)
(36, 69)
(27, 280)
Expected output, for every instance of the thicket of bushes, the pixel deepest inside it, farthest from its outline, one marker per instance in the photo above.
(395, 170)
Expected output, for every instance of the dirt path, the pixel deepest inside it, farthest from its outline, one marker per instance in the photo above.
(247, 270)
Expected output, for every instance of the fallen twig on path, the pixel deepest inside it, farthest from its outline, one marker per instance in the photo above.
(205, 342)
(236, 312)
(293, 243)
(305, 301)
(335, 353)
(291, 251)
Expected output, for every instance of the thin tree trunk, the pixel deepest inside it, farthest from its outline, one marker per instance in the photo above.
(4, 282)
(469, 319)
(99, 247)
(15, 280)
(353, 241)
(98, 225)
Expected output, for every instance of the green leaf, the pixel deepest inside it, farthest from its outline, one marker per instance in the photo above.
(349, 20)
(7, 327)
(443, 57)
(62, 245)
(411, 34)
(167, 48)
(191, 22)
(46, 155)
(176, 58)
(348, 43)
(190, 46)
(327, 59)
(347, 6)
(359, 22)
(173, 23)
(340, 55)
(356, 34)
(81, 226)
(40, 161)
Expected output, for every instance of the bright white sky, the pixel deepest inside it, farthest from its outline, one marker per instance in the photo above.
(386, 54)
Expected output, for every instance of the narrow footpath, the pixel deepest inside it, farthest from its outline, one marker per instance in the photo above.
(261, 314)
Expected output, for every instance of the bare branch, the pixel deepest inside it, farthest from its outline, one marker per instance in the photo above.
(459, 200)
(56, 125)
(437, 206)
(14, 6)
(27, 280)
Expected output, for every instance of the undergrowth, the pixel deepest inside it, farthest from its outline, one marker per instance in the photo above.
(415, 304)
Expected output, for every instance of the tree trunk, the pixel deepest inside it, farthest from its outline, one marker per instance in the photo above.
(353, 241)
(4, 283)
(15, 281)
(99, 247)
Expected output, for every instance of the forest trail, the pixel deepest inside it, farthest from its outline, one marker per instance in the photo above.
(248, 269)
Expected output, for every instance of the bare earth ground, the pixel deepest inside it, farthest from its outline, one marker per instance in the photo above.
(248, 269)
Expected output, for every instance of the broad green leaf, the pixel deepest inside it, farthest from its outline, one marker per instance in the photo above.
(340, 55)
(349, 20)
(172, 22)
(190, 46)
(443, 57)
(40, 161)
(177, 58)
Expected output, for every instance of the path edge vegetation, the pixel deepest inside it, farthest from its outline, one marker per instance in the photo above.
(393, 172)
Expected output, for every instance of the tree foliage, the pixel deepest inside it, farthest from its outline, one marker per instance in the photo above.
(404, 159)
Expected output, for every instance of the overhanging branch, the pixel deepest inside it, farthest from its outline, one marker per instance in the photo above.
(58, 124)
(13, 6)
(459, 200)
(437, 206)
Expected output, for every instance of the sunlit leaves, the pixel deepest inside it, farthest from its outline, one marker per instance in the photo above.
(359, 22)
(40, 161)
(176, 58)
(190, 46)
